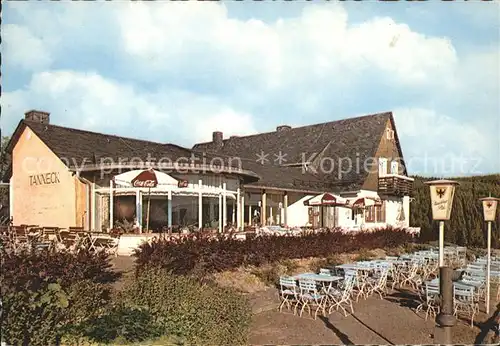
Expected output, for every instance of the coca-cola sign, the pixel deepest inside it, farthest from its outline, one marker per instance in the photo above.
(144, 183)
(145, 179)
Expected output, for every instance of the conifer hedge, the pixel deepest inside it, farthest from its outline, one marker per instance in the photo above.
(466, 226)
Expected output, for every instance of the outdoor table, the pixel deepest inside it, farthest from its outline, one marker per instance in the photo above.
(317, 277)
(325, 280)
(459, 284)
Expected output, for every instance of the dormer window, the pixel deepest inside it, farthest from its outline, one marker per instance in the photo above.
(389, 134)
(394, 167)
(382, 166)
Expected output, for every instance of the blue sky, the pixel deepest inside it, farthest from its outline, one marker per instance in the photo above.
(176, 71)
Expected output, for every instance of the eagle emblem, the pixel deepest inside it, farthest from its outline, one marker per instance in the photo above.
(441, 191)
(489, 205)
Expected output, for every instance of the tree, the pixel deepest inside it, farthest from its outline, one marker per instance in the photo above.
(4, 156)
(466, 226)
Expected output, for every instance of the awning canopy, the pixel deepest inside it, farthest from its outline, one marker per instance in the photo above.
(144, 178)
(326, 199)
(363, 202)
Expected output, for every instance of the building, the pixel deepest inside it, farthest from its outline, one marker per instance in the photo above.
(359, 159)
(66, 177)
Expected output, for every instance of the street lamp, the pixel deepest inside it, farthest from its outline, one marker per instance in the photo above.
(489, 211)
(442, 193)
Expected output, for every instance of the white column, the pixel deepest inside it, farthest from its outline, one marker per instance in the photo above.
(233, 213)
(242, 214)
(285, 208)
(263, 212)
(11, 197)
(224, 206)
(238, 209)
(138, 208)
(111, 204)
(220, 212)
(271, 215)
(250, 216)
(169, 209)
(200, 205)
(93, 212)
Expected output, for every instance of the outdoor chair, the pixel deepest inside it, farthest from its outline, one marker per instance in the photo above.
(410, 276)
(360, 284)
(430, 300)
(343, 296)
(378, 283)
(310, 297)
(288, 293)
(19, 237)
(324, 271)
(104, 242)
(464, 302)
(68, 240)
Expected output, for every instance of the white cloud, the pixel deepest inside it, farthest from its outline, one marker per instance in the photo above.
(20, 47)
(318, 43)
(176, 71)
(436, 143)
(89, 101)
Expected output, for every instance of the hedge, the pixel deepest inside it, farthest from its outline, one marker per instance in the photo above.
(205, 255)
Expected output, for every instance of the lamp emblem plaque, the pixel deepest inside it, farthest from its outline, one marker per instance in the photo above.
(489, 209)
(442, 199)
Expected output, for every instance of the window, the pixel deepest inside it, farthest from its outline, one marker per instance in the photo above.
(382, 166)
(370, 214)
(375, 213)
(394, 167)
(380, 212)
(390, 134)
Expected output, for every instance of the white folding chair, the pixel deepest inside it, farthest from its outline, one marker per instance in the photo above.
(288, 293)
(343, 297)
(310, 297)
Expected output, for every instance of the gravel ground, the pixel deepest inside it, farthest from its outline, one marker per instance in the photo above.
(375, 321)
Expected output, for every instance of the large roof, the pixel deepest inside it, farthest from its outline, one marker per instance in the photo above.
(87, 150)
(355, 140)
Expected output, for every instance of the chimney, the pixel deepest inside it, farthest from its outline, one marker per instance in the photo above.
(217, 137)
(282, 128)
(37, 116)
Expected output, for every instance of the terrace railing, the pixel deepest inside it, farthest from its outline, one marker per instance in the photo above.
(395, 185)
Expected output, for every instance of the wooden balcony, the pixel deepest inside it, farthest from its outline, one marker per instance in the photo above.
(395, 185)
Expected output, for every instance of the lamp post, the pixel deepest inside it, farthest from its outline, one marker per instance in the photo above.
(442, 193)
(489, 211)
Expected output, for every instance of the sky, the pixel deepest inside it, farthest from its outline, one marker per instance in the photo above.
(174, 72)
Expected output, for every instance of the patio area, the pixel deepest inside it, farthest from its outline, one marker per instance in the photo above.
(391, 320)
(391, 300)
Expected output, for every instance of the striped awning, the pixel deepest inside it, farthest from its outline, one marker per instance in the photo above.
(325, 199)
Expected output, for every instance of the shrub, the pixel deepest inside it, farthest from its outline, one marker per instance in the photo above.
(47, 294)
(198, 313)
(33, 317)
(208, 255)
(122, 324)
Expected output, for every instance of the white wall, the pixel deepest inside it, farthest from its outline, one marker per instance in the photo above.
(298, 213)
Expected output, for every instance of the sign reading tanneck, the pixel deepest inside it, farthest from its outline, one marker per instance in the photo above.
(45, 179)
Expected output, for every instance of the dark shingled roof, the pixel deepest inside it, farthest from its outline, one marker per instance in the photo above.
(78, 148)
(354, 139)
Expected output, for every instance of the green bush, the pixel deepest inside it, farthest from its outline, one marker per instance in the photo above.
(34, 317)
(122, 324)
(185, 308)
(47, 296)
